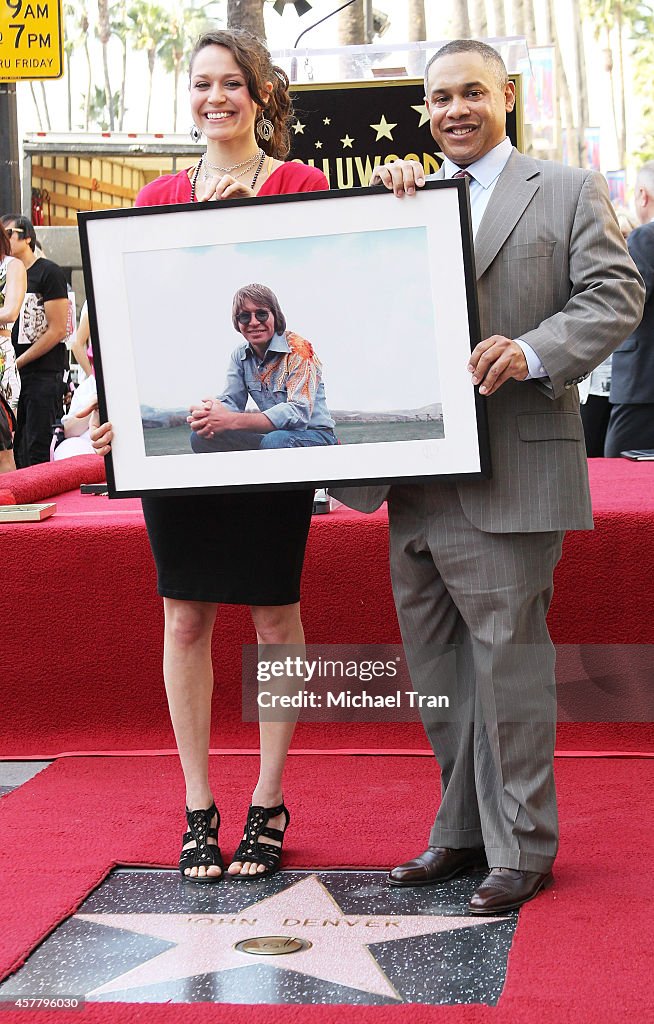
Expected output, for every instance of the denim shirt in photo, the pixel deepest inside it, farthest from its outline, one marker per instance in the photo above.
(286, 384)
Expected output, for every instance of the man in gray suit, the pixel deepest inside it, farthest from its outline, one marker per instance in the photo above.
(472, 562)
(631, 424)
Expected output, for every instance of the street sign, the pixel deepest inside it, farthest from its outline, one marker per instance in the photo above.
(31, 39)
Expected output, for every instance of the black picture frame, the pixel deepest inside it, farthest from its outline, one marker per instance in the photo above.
(383, 289)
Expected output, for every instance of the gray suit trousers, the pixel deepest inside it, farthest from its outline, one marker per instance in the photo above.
(487, 594)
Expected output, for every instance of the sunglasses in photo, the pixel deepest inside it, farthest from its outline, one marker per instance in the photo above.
(260, 314)
(14, 231)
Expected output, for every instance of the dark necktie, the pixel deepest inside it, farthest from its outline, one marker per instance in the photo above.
(464, 174)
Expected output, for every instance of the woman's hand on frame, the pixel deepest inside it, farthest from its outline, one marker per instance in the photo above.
(101, 434)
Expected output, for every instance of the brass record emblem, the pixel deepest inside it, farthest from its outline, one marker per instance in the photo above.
(272, 945)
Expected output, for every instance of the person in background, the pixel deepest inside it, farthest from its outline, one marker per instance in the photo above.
(80, 345)
(38, 337)
(77, 435)
(205, 546)
(13, 285)
(626, 221)
(594, 391)
(631, 422)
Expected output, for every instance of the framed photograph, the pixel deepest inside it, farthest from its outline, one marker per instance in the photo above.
(266, 343)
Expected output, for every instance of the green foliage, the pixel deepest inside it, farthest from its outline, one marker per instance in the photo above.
(181, 32)
(76, 26)
(98, 109)
(637, 19)
(642, 33)
(167, 36)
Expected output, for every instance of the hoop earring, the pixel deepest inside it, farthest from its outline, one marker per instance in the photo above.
(195, 133)
(265, 128)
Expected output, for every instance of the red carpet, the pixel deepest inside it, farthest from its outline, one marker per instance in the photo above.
(50, 478)
(70, 682)
(581, 952)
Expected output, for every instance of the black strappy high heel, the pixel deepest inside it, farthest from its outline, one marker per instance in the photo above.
(252, 849)
(203, 854)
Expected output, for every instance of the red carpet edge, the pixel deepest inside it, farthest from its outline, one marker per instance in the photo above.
(310, 751)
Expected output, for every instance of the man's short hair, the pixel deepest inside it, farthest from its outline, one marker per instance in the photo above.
(645, 177)
(490, 56)
(23, 224)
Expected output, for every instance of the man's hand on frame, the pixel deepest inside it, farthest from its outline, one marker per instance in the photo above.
(401, 177)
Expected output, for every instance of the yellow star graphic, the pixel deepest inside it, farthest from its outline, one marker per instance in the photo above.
(339, 951)
(298, 128)
(318, 145)
(326, 120)
(384, 129)
(421, 109)
(347, 142)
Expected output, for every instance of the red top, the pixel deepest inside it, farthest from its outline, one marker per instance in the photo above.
(285, 180)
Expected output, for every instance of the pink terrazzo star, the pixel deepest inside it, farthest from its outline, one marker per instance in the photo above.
(339, 953)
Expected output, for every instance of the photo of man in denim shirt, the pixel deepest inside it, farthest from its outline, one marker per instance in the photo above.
(275, 368)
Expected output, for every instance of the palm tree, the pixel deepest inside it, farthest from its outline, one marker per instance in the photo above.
(478, 19)
(582, 82)
(120, 28)
(247, 14)
(99, 111)
(417, 21)
(562, 85)
(104, 32)
(36, 106)
(44, 99)
(523, 20)
(69, 47)
(148, 30)
(641, 22)
(83, 21)
(351, 25)
(76, 36)
(499, 18)
(608, 17)
(177, 46)
(460, 20)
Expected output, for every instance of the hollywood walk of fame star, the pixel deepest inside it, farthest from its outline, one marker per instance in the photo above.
(326, 120)
(384, 129)
(298, 128)
(318, 145)
(347, 142)
(421, 109)
(339, 951)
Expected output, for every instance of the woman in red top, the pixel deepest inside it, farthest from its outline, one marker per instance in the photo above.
(212, 548)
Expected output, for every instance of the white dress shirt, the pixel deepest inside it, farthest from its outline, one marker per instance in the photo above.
(484, 174)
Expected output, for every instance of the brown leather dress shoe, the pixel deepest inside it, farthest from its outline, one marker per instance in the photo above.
(507, 889)
(437, 864)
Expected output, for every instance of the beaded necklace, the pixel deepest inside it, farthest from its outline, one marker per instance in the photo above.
(194, 179)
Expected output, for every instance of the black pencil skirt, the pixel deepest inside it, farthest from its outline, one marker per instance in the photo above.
(230, 548)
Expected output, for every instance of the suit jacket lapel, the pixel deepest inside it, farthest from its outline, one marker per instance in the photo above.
(512, 194)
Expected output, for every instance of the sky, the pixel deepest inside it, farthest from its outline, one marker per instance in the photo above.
(331, 292)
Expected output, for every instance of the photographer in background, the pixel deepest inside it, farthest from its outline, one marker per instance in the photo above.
(38, 338)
